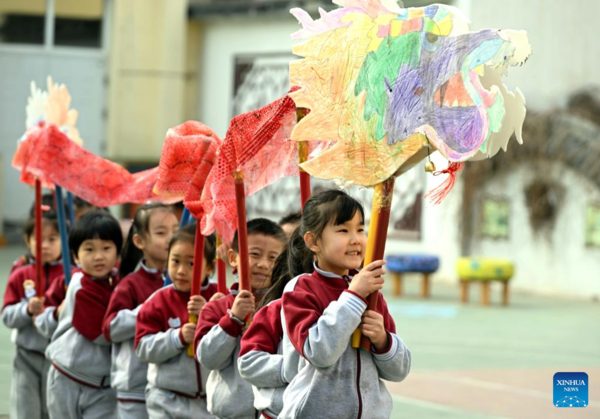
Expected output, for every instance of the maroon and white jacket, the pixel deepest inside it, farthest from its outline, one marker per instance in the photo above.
(159, 342)
(47, 322)
(217, 345)
(128, 373)
(22, 261)
(335, 380)
(78, 348)
(20, 289)
(261, 359)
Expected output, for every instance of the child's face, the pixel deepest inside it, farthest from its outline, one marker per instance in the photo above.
(263, 251)
(181, 265)
(50, 243)
(97, 257)
(340, 248)
(155, 243)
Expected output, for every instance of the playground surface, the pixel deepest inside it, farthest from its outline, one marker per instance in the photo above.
(468, 361)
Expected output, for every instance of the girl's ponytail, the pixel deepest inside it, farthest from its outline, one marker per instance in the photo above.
(130, 255)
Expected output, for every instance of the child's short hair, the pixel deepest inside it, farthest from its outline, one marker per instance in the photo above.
(49, 216)
(96, 224)
(291, 218)
(261, 226)
(188, 234)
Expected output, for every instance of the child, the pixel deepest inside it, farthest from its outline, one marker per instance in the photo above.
(19, 311)
(163, 334)
(147, 246)
(321, 311)
(29, 257)
(290, 222)
(222, 323)
(261, 352)
(79, 381)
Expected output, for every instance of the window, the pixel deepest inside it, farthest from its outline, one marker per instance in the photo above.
(49, 23)
(78, 23)
(22, 22)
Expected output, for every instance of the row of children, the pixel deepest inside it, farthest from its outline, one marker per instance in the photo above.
(116, 343)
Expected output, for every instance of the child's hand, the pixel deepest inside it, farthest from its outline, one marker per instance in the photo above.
(217, 296)
(195, 304)
(35, 306)
(369, 280)
(372, 327)
(243, 305)
(187, 331)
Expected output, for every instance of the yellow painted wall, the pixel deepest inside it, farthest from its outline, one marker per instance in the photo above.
(147, 76)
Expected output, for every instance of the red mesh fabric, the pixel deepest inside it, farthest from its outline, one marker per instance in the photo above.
(23, 155)
(257, 146)
(50, 155)
(188, 154)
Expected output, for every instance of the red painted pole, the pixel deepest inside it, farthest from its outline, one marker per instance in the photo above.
(196, 277)
(198, 261)
(221, 271)
(41, 281)
(242, 233)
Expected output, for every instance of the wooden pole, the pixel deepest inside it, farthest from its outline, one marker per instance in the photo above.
(302, 157)
(242, 233)
(64, 237)
(196, 277)
(221, 271)
(41, 281)
(378, 226)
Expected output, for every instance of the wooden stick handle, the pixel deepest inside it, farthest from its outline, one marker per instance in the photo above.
(378, 226)
(242, 233)
(302, 157)
(40, 285)
(221, 271)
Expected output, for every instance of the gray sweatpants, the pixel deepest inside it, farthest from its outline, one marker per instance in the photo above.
(165, 404)
(70, 400)
(132, 410)
(28, 388)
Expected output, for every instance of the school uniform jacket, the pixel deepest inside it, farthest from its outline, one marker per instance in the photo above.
(128, 373)
(158, 341)
(261, 359)
(19, 290)
(22, 261)
(47, 322)
(78, 348)
(217, 344)
(335, 380)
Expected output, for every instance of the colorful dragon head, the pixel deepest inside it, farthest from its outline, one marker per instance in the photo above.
(385, 83)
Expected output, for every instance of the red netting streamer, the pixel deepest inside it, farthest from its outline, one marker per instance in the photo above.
(24, 153)
(438, 194)
(50, 155)
(189, 153)
(257, 145)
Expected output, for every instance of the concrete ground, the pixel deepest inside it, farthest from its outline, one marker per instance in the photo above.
(469, 362)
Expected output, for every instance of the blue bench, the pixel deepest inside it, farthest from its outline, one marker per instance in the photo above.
(399, 265)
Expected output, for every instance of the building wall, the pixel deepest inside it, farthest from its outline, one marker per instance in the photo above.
(551, 261)
(563, 60)
(83, 70)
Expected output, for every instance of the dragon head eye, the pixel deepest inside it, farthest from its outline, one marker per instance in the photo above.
(431, 37)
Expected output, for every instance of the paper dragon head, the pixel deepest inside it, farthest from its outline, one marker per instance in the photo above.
(384, 84)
